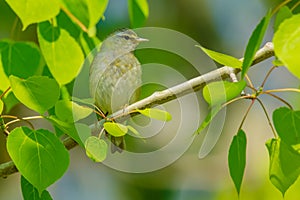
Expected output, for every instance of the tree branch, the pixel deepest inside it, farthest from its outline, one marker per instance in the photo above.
(164, 96)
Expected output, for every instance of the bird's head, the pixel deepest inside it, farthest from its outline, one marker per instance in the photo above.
(124, 40)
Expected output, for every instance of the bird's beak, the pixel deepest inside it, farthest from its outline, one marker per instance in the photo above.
(142, 39)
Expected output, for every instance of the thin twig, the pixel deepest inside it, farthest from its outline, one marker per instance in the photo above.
(268, 118)
(267, 76)
(295, 6)
(279, 98)
(4, 93)
(77, 21)
(279, 6)
(283, 90)
(246, 114)
(164, 96)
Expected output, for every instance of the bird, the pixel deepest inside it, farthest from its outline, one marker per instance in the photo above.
(115, 76)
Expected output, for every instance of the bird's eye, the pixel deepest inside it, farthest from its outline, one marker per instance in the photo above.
(126, 37)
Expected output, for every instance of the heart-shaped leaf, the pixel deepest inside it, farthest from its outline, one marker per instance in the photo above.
(22, 59)
(284, 164)
(222, 58)
(1, 106)
(38, 93)
(39, 156)
(287, 44)
(33, 11)
(96, 149)
(70, 111)
(138, 12)
(283, 14)
(88, 12)
(237, 158)
(62, 53)
(287, 125)
(29, 192)
(78, 132)
(221, 91)
(115, 129)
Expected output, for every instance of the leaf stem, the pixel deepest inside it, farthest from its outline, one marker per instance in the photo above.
(77, 21)
(279, 98)
(246, 114)
(267, 76)
(17, 119)
(249, 81)
(279, 6)
(4, 93)
(295, 6)
(283, 90)
(268, 118)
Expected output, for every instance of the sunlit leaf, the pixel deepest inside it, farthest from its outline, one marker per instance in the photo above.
(237, 158)
(138, 12)
(39, 156)
(38, 93)
(70, 111)
(4, 83)
(88, 43)
(287, 44)
(88, 12)
(284, 164)
(115, 129)
(1, 106)
(255, 42)
(283, 14)
(33, 11)
(287, 124)
(155, 113)
(221, 91)
(96, 149)
(78, 132)
(222, 58)
(22, 59)
(62, 53)
(29, 192)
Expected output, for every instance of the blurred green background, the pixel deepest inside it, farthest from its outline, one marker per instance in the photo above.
(224, 26)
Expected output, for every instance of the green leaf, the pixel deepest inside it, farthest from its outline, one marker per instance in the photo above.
(69, 111)
(39, 156)
(62, 53)
(88, 43)
(1, 106)
(138, 12)
(209, 117)
(221, 91)
(287, 44)
(255, 42)
(237, 158)
(22, 59)
(287, 125)
(4, 83)
(222, 58)
(88, 12)
(38, 93)
(29, 192)
(78, 132)
(155, 113)
(96, 149)
(33, 11)
(284, 164)
(9, 101)
(115, 129)
(283, 14)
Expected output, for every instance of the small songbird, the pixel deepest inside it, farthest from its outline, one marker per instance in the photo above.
(115, 75)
